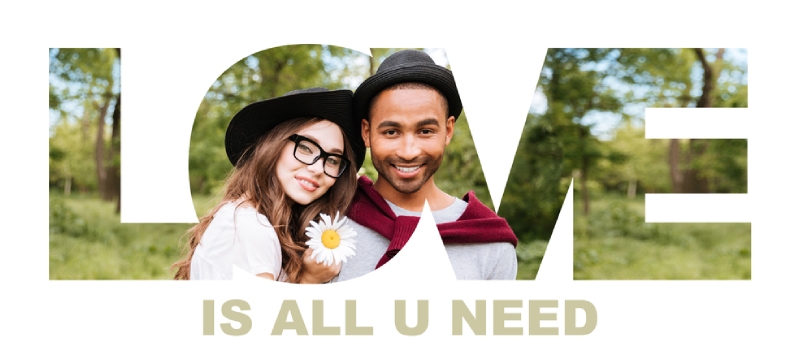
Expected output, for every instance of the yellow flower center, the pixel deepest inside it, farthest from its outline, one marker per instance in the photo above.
(330, 239)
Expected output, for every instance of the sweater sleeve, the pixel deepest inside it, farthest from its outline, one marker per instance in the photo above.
(258, 242)
(506, 266)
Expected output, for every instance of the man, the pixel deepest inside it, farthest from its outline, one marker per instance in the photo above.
(407, 112)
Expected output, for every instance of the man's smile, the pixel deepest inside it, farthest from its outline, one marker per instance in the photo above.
(407, 169)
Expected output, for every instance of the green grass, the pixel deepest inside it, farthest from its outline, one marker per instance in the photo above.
(87, 241)
(614, 243)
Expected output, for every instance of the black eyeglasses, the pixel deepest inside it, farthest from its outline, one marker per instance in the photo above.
(308, 152)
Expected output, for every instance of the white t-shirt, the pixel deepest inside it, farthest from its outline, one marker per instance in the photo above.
(237, 236)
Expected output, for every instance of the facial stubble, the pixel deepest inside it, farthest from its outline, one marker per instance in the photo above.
(407, 186)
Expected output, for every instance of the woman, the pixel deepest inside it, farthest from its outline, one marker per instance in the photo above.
(295, 157)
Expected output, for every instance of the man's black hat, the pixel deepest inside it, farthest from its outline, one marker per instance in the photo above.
(407, 66)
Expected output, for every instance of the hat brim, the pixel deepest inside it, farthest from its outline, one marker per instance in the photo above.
(434, 75)
(258, 118)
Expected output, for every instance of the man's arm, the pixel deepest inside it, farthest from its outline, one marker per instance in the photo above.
(506, 266)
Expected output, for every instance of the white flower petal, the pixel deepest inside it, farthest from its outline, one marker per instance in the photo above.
(322, 255)
(347, 234)
(327, 221)
(328, 258)
(316, 226)
(337, 256)
(347, 252)
(338, 223)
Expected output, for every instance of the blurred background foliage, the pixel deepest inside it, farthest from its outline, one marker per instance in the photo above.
(585, 125)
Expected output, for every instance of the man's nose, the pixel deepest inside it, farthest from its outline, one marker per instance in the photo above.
(409, 149)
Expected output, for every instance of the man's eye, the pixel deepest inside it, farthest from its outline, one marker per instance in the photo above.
(390, 132)
(427, 131)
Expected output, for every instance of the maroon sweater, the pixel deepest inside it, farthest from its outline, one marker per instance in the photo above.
(477, 224)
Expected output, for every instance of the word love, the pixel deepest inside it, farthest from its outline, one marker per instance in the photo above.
(289, 318)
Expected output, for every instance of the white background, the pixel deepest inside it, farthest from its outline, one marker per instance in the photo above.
(173, 52)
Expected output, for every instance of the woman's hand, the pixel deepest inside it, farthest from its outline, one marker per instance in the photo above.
(314, 273)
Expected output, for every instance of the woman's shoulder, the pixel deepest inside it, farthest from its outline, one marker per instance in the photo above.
(244, 211)
(236, 205)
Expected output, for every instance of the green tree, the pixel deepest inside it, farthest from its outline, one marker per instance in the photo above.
(699, 78)
(84, 92)
(558, 144)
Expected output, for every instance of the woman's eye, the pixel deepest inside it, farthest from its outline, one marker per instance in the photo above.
(304, 148)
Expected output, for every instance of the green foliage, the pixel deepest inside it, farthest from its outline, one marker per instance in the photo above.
(616, 243)
(618, 219)
(72, 158)
(529, 257)
(87, 242)
(460, 169)
(368, 167)
(534, 193)
(64, 221)
(725, 165)
(592, 132)
(639, 163)
(82, 82)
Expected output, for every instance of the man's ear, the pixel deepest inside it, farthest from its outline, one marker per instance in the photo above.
(365, 132)
(450, 128)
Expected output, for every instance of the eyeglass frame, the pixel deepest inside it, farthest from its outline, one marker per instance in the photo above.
(296, 138)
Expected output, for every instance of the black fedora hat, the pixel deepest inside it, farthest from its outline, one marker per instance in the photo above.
(408, 66)
(258, 118)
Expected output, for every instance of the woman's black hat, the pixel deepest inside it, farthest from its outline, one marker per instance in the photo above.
(407, 66)
(258, 118)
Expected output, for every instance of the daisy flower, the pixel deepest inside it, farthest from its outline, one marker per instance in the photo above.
(332, 241)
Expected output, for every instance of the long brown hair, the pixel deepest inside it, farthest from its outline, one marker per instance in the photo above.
(254, 179)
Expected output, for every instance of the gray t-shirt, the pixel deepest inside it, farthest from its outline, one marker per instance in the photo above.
(470, 261)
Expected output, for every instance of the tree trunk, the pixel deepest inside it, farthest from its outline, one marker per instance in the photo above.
(706, 91)
(100, 148)
(694, 182)
(632, 185)
(68, 181)
(113, 165)
(584, 188)
(676, 176)
(113, 158)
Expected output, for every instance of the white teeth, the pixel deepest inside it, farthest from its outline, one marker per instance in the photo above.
(306, 183)
(407, 169)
